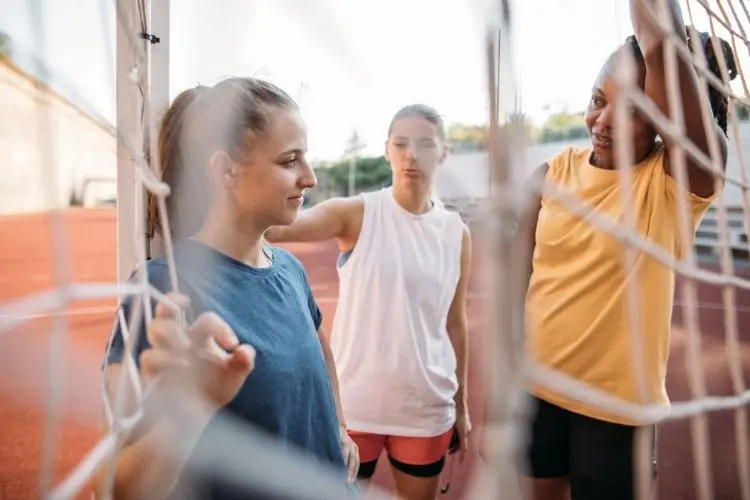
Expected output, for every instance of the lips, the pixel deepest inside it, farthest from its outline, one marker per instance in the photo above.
(605, 139)
(601, 141)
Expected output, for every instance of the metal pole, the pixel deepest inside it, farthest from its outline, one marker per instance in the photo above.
(128, 103)
(158, 98)
(352, 175)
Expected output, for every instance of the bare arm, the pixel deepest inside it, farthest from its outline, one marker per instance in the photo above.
(528, 221)
(651, 41)
(457, 324)
(151, 461)
(339, 218)
(331, 367)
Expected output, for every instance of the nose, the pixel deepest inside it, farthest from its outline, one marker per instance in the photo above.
(412, 152)
(605, 118)
(308, 179)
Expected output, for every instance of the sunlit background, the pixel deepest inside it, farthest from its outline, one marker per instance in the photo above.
(351, 64)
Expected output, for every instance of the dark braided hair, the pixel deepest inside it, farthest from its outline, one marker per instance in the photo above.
(719, 102)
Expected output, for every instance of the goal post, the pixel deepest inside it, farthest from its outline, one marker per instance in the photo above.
(127, 102)
(153, 45)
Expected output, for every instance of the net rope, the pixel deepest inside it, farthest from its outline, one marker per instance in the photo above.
(244, 456)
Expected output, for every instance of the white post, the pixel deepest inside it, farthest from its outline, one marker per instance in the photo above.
(128, 103)
(158, 94)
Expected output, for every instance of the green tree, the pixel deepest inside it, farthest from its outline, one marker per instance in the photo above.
(743, 112)
(5, 46)
(563, 126)
(463, 137)
(373, 172)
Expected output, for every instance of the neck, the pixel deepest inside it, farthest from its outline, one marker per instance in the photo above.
(416, 201)
(233, 239)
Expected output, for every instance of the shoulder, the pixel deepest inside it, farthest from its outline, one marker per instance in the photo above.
(291, 268)
(569, 156)
(285, 259)
(288, 263)
(158, 274)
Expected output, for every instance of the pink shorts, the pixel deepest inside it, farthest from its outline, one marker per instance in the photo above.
(407, 450)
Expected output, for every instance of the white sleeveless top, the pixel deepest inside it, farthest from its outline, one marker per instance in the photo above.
(395, 362)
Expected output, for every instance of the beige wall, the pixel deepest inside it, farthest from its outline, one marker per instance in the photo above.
(78, 150)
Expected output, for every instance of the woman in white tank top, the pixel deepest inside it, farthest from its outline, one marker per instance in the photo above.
(399, 335)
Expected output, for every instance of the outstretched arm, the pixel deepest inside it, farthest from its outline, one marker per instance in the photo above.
(651, 41)
(333, 218)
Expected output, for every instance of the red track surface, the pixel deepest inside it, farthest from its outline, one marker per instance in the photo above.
(26, 267)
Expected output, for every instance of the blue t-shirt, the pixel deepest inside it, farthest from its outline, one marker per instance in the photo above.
(289, 394)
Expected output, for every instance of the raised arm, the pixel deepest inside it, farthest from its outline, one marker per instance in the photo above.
(651, 42)
(339, 218)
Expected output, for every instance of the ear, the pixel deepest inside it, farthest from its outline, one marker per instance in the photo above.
(385, 154)
(444, 154)
(222, 170)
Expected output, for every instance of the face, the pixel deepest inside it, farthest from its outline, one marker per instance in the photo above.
(600, 116)
(414, 150)
(268, 188)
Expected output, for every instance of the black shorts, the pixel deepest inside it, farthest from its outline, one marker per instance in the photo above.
(596, 456)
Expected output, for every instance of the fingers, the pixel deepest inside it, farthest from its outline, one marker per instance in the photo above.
(178, 300)
(464, 444)
(352, 460)
(156, 361)
(210, 326)
(165, 333)
(242, 359)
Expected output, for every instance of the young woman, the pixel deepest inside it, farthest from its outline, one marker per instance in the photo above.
(577, 295)
(234, 158)
(399, 334)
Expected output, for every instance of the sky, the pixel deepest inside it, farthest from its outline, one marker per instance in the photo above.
(351, 64)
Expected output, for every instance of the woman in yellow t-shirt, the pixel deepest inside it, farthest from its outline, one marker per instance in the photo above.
(576, 304)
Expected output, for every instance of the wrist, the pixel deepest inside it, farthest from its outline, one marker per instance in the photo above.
(192, 411)
(461, 402)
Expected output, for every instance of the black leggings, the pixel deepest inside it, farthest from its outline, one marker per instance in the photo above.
(595, 455)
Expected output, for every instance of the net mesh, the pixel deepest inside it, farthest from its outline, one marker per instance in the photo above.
(247, 458)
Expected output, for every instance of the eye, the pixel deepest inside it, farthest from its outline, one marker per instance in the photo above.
(290, 162)
(597, 102)
(399, 145)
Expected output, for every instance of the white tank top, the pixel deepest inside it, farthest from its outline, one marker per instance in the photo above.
(395, 362)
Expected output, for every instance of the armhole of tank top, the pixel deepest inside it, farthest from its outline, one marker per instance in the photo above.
(460, 230)
(369, 202)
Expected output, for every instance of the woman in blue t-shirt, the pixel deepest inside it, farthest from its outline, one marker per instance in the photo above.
(233, 156)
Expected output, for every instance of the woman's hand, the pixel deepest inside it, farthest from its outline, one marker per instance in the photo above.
(463, 426)
(350, 450)
(202, 366)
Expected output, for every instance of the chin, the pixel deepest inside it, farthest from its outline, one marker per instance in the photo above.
(287, 218)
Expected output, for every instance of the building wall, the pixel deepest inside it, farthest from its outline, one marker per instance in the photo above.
(78, 150)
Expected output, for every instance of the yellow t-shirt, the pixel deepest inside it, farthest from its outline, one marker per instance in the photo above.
(577, 301)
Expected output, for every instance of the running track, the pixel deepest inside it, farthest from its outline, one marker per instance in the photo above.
(26, 267)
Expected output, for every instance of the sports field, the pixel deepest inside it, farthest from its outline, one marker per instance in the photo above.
(26, 267)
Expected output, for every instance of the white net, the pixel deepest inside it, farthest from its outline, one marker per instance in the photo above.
(247, 458)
